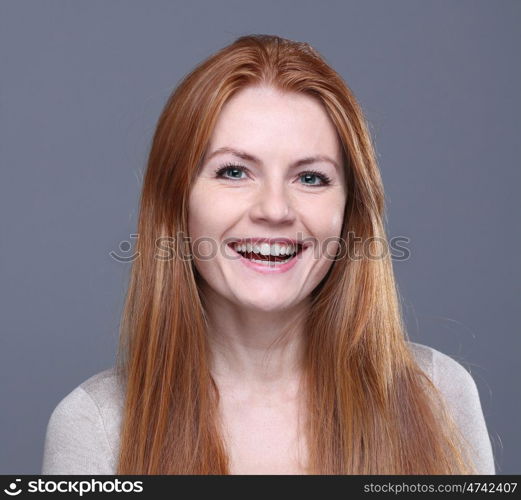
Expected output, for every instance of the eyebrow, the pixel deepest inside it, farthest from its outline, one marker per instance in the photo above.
(249, 157)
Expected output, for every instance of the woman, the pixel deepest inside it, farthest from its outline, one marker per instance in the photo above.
(259, 336)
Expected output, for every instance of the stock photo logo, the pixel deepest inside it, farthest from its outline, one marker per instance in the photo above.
(125, 247)
(12, 490)
(372, 248)
(73, 486)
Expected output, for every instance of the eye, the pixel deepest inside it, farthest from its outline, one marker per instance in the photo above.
(236, 171)
(314, 174)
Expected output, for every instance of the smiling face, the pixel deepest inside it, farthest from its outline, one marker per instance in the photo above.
(263, 190)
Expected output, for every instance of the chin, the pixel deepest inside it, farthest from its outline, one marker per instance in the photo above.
(263, 303)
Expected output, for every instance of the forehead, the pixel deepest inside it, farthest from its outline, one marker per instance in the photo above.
(268, 121)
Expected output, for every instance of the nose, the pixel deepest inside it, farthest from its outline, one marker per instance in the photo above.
(273, 204)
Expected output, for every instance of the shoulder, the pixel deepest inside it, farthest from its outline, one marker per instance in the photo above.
(423, 355)
(461, 395)
(440, 367)
(83, 429)
(446, 373)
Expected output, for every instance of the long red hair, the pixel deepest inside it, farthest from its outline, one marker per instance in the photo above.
(370, 408)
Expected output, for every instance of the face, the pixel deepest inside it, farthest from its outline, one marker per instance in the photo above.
(252, 185)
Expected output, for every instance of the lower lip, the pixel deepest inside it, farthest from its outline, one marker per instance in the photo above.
(270, 268)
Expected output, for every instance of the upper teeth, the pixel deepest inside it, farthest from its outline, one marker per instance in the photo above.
(265, 248)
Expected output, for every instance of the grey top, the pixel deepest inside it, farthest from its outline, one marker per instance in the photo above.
(83, 430)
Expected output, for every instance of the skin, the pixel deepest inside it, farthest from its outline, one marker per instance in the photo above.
(247, 310)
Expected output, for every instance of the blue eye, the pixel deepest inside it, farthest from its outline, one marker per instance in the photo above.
(314, 174)
(237, 170)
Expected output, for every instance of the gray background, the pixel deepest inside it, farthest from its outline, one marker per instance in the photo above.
(82, 86)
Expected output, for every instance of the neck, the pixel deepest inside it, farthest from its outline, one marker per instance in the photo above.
(258, 349)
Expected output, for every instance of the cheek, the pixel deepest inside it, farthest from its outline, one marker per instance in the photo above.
(336, 222)
(202, 216)
(194, 214)
(209, 215)
(200, 227)
(326, 217)
(325, 222)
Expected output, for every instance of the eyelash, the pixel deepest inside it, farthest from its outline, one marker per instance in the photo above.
(229, 166)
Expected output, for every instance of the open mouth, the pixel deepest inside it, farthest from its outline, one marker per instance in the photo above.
(267, 259)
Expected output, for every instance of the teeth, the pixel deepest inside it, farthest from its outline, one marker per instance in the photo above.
(266, 249)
